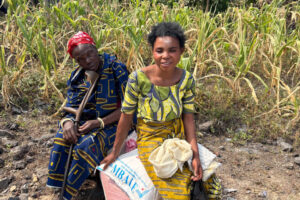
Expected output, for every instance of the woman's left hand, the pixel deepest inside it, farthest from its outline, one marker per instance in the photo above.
(88, 126)
(197, 169)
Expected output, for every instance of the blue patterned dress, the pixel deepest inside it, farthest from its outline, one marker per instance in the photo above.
(92, 147)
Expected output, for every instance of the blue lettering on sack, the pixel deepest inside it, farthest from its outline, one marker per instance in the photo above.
(130, 171)
(114, 170)
(128, 179)
(120, 176)
(141, 194)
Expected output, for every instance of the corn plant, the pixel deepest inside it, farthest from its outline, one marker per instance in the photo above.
(3, 65)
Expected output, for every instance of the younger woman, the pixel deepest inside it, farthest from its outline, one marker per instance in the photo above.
(163, 96)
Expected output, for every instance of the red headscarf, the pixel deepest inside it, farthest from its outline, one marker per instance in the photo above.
(79, 38)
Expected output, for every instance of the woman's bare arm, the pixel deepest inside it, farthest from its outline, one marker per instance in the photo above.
(112, 117)
(190, 134)
(124, 126)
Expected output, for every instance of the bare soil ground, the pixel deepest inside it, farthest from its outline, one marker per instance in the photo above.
(249, 171)
(255, 170)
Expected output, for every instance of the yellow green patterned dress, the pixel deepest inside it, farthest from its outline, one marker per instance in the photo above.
(159, 110)
(159, 103)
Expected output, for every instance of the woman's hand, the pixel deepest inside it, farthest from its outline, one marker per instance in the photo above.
(88, 126)
(197, 169)
(70, 133)
(109, 159)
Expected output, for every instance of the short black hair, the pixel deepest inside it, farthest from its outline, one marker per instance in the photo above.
(171, 29)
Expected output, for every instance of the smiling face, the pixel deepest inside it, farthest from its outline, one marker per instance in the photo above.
(86, 55)
(166, 52)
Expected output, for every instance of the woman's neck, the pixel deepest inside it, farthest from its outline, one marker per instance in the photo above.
(166, 75)
(101, 62)
(164, 78)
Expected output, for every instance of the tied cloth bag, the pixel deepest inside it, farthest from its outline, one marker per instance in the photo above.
(172, 154)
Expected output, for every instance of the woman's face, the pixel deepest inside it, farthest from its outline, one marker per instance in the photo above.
(86, 55)
(166, 52)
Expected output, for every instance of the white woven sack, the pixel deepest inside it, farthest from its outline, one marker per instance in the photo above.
(130, 175)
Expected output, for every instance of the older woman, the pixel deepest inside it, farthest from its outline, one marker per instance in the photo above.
(97, 128)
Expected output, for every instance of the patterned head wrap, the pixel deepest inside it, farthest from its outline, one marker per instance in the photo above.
(79, 38)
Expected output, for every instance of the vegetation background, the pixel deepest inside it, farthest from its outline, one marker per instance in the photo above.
(244, 55)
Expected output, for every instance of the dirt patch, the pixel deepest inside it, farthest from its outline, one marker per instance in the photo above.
(255, 170)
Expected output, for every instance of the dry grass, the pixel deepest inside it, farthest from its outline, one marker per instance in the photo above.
(246, 61)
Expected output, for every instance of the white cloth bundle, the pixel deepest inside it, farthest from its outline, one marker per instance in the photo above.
(170, 156)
